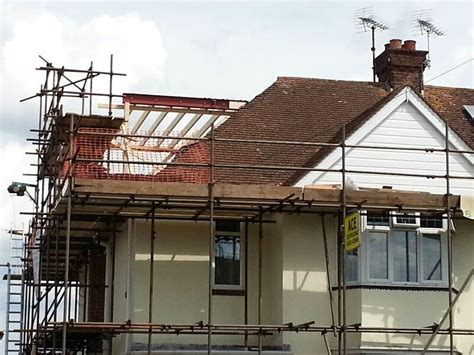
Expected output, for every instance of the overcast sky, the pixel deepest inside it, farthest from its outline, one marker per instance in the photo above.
(211, 49)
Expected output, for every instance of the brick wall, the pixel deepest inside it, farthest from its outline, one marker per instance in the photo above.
(400, 65)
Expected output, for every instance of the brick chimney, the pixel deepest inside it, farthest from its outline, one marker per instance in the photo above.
(401, 64)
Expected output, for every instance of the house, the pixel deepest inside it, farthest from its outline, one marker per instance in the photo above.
(254, 203)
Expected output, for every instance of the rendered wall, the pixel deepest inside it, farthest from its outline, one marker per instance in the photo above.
(181, 282)
(294, 286)
(418, 308)
(305, 295)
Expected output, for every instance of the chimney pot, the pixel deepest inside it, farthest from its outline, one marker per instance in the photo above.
(399, 65)
(409, 44)
(395, 44)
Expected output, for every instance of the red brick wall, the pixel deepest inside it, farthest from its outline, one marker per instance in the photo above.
(401, 67)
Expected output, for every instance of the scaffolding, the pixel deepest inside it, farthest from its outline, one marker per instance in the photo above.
(153, 158)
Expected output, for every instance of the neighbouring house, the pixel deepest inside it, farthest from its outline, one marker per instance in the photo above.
(269, 182)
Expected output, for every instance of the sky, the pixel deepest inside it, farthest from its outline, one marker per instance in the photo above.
(208, 49)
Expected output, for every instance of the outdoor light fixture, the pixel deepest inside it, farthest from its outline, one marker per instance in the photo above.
(20, 188)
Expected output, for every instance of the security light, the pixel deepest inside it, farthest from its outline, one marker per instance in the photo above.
(19, 188)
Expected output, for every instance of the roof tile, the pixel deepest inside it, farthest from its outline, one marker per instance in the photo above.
(312, 110)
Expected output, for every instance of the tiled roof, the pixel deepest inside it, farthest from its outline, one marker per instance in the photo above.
(312, 110)
(449, 103)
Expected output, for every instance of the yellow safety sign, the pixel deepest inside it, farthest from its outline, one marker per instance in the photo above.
(352, 231)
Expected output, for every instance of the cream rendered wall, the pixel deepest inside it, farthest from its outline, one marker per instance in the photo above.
(305, 295)
(463, 262)
(294, 286)
(181, 281)
(120, 287)
(401, 308)
(410, 308)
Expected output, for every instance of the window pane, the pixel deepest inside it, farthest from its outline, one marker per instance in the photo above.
(227, 226)
(404, 256)
(378, 219)
(352, 266)
(431, 257)
(431, 222)
(406, 218)
(227, 260)
(378, 256)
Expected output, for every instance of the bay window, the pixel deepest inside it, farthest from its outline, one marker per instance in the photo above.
(399, 249)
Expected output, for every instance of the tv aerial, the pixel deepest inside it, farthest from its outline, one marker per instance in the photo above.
(423, 23)
(365, 21)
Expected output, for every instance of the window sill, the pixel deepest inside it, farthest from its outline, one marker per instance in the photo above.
(228, 292)
(369, 286)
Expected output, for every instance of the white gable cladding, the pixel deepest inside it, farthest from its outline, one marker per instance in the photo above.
(403, 122)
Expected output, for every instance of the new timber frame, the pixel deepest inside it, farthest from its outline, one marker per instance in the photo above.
(81, 205)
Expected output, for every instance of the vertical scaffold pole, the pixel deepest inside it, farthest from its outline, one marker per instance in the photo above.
(211, 242)
(450, 243)
(260, 275)
(7, 318)
(246, 271)
(112, 280)
(46, 306)
(152, 272)
(110, 83)
(328, 276)
(23, 291)
(128, 285)
(56, 278)
(68, 233)
(90, 89)
(344, 254)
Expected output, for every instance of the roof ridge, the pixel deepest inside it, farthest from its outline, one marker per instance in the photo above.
(279, 78)
(448, 87)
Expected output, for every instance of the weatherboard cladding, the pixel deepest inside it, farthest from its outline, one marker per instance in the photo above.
(310, 110)
(404, 126)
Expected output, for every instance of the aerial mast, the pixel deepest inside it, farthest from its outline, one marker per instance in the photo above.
(424, 24)
(365, 21)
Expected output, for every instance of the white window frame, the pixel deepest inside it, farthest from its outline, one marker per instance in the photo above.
(444, 259)
(366, 259)
(239, 234)
(418, 253)
(396, 224)
(363, 271)
(431, 230)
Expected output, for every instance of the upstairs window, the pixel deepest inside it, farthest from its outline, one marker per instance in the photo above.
(400, 249)
(378, 220)
(405, 220)
(227, 255)
(432, 222)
